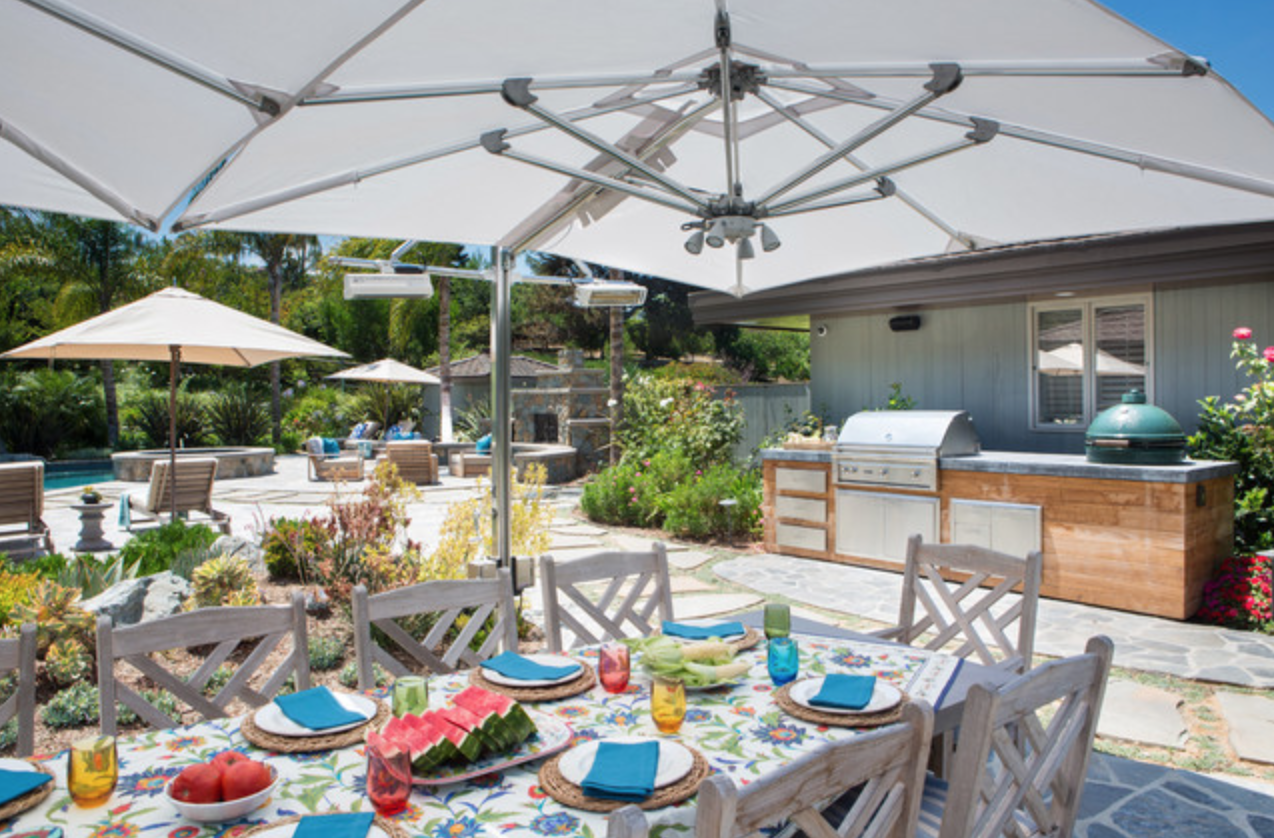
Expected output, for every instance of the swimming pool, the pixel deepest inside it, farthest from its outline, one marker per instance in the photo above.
(74, 475)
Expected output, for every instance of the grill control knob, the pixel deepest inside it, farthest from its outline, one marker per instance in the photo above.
(883, 472)
(916, 473)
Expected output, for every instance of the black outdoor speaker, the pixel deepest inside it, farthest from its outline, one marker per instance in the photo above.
(905, 323)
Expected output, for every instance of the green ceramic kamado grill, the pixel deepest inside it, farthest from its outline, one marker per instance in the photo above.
(1135, 434)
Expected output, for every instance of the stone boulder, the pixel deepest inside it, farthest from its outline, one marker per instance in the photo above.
(124, 603)
(233, 545)
(165, 596)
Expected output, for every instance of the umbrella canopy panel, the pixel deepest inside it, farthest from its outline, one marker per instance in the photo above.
(1043, 119)
(389, 371)
(207, 333)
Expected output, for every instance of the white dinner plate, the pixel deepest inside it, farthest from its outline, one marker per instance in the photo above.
(543, 659)
(729, 638)
(15, 764)
(675, 760)
(884, 697)
(272, 719)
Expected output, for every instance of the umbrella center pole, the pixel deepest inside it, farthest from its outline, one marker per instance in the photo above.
(174, 367)
(501, 425)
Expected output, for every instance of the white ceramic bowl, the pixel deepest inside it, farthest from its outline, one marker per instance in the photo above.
(228, 810)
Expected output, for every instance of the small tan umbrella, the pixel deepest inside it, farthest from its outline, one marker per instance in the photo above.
(387, 370)
(175, 325)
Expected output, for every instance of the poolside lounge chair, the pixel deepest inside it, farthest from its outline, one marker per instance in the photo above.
(22, 505)
(194, 494)
(326, 465)
(416, 460)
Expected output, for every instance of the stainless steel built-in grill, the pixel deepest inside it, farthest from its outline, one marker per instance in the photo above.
(900, 448)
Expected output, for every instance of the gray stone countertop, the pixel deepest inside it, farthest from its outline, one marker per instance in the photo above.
(1055, 465)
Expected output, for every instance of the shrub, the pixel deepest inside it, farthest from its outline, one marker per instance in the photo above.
(388, 404)
(766, 355)
(48, 567)
(237, 416)
(91, 576)
(326, 653)
(57, 614)
(1242, 430)
(629, 493)
(473, 421)
(67, 662)
(75, 706)
(219, 678)
(321, 411)
(162, 700)
(692, 509)
(9, 735)
(349, 675)
(46, 412)
(147, 414)
(155, 550)
(1239, 595)
(678, 414)
(223, 580)
(285, 544)
(15, 590)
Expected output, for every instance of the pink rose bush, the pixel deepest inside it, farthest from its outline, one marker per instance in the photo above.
(1242, 333)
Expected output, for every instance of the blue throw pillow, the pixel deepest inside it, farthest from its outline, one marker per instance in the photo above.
(358, 431)
(483, 446)
(331, 448)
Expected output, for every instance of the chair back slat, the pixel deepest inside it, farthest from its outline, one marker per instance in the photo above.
(224, 629)
(980, 612)
(636, 596)
(1024, 750)
(17, 656)
(888, 763)
(446, 600)
(22, 493)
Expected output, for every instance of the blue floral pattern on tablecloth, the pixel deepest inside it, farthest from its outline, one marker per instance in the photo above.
(740, 730)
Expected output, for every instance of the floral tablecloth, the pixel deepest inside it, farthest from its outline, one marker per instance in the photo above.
(739, 729)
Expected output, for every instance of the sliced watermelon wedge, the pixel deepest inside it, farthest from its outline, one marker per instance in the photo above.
(514, 721)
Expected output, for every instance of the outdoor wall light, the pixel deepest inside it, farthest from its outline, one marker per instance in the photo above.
(821, 331)
(769, 239)
(694, 244)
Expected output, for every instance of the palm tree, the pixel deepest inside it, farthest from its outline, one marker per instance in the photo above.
(96, 263)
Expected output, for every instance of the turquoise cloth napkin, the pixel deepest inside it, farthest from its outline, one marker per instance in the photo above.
(316, 709)
(686, 632)
(14, 784)
(513, 665)
(845, 692)
(344, 825)
(623, 771)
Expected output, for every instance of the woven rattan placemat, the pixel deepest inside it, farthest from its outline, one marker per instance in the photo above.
(390, 828)
(750, 638)
(783, 697)
(31, 799)
(306, 744)
(564, 791)
(585, 682)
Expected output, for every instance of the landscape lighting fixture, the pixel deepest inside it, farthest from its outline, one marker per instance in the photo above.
(378, 286)
(609, 294)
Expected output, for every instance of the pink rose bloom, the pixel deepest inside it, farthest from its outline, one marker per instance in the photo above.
(1269, 354)
(1242, 333)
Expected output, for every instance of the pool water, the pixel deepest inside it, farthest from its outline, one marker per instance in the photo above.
(77, 477)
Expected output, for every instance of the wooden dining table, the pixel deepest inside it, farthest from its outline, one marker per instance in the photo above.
(739, 729)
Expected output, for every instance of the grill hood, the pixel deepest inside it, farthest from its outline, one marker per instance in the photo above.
(920, 433)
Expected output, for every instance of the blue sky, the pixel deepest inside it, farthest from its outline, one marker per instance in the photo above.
(1237, 36)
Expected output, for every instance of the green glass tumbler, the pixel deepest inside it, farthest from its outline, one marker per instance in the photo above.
(778, 621)
(411, 695)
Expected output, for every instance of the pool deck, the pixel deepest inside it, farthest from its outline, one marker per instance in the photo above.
(1123, 799)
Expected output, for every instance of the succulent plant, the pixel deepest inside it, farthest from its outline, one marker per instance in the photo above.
(326, 653)
(224, 580)
(67, 661)
(56, 612)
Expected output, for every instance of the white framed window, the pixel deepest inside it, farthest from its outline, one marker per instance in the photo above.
(1085, 354)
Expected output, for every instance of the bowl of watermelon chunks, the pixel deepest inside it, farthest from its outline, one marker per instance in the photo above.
(225, 788)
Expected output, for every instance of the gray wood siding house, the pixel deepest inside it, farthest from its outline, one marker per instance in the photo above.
(1034, 339)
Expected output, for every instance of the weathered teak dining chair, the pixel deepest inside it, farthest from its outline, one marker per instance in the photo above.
(888, 763)
(17, 657)
(224, 629)
(1019, 772)
(636, 589)
(194, 478)
(964, 611)
(448, 599)
(22, 507)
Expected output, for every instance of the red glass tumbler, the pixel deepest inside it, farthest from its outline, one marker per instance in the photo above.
(388, 780)
(612, 666)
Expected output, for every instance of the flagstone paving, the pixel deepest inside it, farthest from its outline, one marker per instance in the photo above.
(1142, 713)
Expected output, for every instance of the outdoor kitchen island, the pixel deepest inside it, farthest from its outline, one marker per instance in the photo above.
(1136, 538)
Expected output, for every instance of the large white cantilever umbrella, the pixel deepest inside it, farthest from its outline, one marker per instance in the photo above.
(175, 325)
(851, 132)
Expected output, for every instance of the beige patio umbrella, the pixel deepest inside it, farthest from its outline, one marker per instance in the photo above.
(387, 371)
(175, 325)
